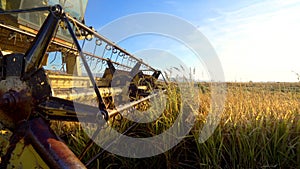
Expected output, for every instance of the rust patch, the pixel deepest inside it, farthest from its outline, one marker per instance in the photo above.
(16, 105)
(53, 150)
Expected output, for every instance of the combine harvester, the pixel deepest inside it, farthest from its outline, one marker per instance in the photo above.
(31, 96)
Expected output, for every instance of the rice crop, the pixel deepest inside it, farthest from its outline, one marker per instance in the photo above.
(259, 128)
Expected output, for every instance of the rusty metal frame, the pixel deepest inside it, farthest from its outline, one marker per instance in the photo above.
(54, 152)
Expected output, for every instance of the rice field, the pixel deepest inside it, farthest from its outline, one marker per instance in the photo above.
(259, 128)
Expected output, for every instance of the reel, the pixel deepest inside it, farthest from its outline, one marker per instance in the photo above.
(88, 86)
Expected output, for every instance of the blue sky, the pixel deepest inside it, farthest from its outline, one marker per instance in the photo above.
(254, 40)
